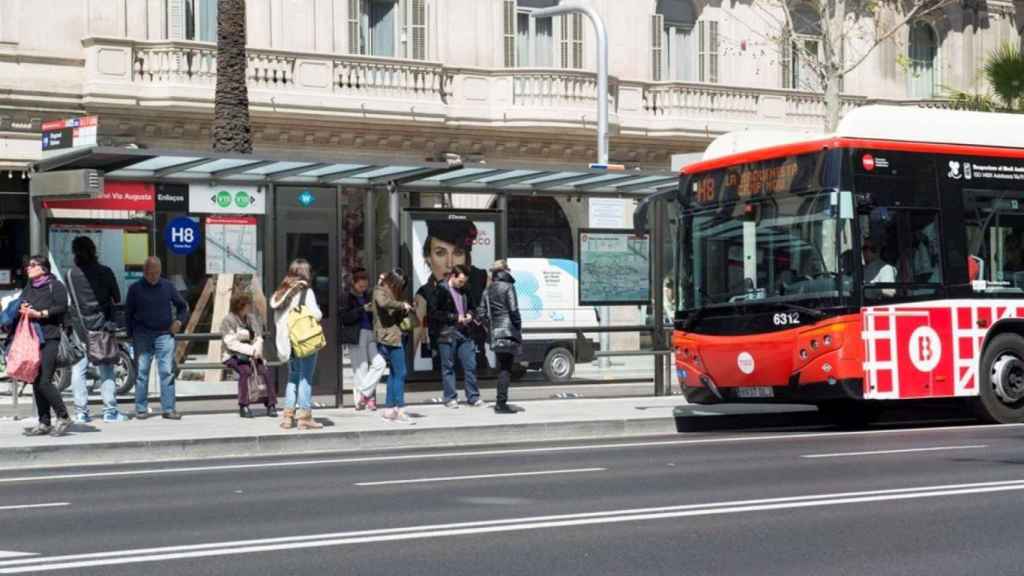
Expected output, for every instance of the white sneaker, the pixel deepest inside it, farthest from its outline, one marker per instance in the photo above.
(479, 403)
(453, 404)
(403, 418)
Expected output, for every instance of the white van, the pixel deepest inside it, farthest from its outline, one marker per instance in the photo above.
(548, 292)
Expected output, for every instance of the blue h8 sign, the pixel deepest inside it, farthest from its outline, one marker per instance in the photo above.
(182, 236)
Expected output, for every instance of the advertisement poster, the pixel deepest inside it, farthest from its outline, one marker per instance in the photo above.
(122, 248)
(614, 268)
(438, 242)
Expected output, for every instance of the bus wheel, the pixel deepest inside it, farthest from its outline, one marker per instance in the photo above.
(1001, 398)
(559, 365)
(849, 413)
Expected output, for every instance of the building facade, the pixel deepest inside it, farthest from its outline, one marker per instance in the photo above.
(414, 80)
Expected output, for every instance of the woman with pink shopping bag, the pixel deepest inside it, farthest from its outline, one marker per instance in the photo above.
(44, 301)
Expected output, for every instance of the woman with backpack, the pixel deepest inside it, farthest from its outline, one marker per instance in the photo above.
(389, 310)
(295, 309)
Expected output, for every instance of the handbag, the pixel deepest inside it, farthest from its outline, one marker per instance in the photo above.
(257, 383)
(100, 345)
(409, 323)
(305, 333)
(70, 349)
(23, 357)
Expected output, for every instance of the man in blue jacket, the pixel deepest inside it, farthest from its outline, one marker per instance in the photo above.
(152, 327)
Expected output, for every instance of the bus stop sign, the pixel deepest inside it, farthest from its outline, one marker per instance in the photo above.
(182, 236)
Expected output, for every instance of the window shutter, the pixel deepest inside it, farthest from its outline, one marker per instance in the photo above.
(713, 52)
(657, 50)
(702, 56)
(564, 40)
(354, 30)
(577, 41)
(786, 48)
(177, 20)
(510, 33)
(418, 29)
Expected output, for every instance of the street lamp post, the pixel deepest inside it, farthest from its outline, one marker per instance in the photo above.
(602, 67)
(602, 108)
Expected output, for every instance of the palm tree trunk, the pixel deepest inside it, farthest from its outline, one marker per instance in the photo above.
(231, 129)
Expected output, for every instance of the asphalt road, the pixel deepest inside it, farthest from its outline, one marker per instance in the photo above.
(926, 500)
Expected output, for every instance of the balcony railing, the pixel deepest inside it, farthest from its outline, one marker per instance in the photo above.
(169, 74)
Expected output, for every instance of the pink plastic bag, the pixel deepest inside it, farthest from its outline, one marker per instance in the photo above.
(23, 358)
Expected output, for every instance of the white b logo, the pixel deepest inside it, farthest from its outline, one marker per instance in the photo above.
(925, 349)
(745, 362)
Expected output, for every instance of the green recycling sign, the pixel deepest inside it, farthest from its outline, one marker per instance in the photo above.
(226, 199)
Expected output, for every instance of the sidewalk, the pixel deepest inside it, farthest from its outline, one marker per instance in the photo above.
(201, 436)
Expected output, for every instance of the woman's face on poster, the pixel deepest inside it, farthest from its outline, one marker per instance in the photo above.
(443, 256)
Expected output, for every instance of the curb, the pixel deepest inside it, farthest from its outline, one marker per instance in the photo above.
(132, 452)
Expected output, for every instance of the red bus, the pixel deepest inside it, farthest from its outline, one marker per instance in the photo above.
(884, 262)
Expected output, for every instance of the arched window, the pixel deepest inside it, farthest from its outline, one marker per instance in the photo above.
(683, 47)
(923, 51)
(801, 48)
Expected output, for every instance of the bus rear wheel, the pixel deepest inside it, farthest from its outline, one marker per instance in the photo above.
(1001, 396)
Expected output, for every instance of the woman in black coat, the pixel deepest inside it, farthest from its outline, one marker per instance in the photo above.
(45, 301)
(500, 310)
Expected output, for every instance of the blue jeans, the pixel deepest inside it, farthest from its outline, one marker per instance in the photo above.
(463, 348)
(80, 391)
(300, 383)
(395, 357)
(147, 348)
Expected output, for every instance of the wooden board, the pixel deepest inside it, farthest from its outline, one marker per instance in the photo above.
(194, 319)
(221, 303)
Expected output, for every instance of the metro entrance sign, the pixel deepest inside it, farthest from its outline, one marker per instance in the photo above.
(182, 236)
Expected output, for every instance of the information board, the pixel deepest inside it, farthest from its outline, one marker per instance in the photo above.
(614, 267)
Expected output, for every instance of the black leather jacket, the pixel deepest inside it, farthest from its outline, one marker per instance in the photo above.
(500, 309)
(443, 315)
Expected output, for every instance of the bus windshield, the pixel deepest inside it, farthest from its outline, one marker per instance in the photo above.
(779, 239)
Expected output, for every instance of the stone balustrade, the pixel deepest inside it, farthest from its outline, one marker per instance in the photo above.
(183, 74)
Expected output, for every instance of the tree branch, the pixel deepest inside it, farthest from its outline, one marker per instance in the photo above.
(920, 9)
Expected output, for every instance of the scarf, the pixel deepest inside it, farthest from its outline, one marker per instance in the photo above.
(41, 281)
(458, 299)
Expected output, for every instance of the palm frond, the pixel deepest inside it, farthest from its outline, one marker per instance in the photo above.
(1004, 70)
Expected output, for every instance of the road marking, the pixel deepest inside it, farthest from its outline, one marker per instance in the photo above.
(31, 506)
(10, 554)
(479, 477)
(902, 451)
(120, 557)
(495, 452)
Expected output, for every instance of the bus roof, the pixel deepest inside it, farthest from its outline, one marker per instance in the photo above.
(921, 129)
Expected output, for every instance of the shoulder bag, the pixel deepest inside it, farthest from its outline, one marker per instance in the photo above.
(70, 349)
(101, 345)
(305, 333)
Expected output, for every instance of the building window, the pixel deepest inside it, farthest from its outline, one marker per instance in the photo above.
(923, 51)
(530, 42)
(801, 49)
(192, 20)
(375, 28)
(674, 43)
(8, 22)
(707, 56)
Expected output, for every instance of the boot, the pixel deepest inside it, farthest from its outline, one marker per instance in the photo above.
(306, 422)
(271, 411)
(244, 412)
(286, 419)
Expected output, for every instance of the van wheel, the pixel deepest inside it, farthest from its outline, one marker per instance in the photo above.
(1001, 394)
(559, 365)
(124, 371)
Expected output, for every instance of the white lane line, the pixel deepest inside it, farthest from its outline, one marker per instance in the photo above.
(31, 506)
(496, 452)
(120, 557)
(11, 554)
(900, 451)
(479, 477)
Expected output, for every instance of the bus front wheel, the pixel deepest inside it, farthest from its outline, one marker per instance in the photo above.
(1001, 397)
